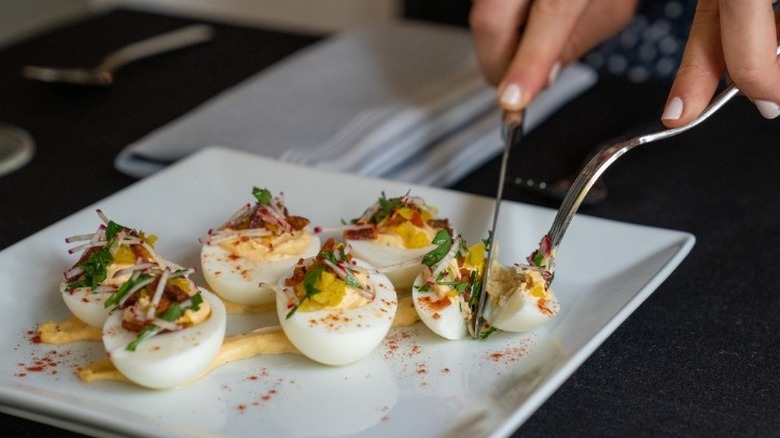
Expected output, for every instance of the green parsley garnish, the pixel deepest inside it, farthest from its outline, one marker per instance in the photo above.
(174, 312)
(263, 196)
(95, 269)
(117, 296)
(443, 242)
(309, 286)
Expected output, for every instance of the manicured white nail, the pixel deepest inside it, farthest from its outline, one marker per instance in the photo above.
(769, 110)
(673, 110)
(511, 96)
(556, 70)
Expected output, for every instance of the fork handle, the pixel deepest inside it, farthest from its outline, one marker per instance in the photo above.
(607, 156)
(155, 45)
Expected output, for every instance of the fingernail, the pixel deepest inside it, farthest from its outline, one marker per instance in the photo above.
(511, 96)
(769, 110)
(673, 109)
(556, 70)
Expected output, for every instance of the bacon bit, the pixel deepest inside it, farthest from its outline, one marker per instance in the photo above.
(297, 222)
(439, 223)
(364, 233)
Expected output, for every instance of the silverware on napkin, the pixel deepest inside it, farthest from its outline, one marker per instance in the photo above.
(103, 74)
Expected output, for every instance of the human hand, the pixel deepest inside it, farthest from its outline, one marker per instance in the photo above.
(521, 44)
(737, 36)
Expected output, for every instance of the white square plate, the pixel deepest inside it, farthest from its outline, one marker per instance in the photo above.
(414, 384)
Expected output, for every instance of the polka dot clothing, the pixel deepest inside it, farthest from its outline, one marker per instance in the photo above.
(650, 48)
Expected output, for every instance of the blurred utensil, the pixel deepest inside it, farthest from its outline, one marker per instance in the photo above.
(512, 128)
(103, 74)
(16, 148)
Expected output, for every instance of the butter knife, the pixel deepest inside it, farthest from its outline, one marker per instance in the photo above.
(512, 129)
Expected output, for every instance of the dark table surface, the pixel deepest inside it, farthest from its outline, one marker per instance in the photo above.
(698, 358)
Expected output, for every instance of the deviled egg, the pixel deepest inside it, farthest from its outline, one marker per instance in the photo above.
(165, 331)
(519, 297)
(442, 292)
(334, 308)
(244, 259)
(109, 256)
(393, 234)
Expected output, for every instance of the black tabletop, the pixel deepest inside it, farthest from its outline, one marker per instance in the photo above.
(698, 358)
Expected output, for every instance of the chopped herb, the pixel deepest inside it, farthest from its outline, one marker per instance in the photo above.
(174, 312)
(95, 269)
(484, 335)
(350, 280)
(443, 243)
(476, 291)
(263, 196)
(112, 228)
(117, 296)
(309, 286)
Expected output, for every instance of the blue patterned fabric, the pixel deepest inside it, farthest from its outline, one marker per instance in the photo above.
(650, 48)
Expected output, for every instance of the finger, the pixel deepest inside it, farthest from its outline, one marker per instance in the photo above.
(750, 51)
(550, 24)
(600, 20)
(495, 28)
(701, 68)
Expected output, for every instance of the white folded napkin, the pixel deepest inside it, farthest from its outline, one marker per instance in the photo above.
(403, 100)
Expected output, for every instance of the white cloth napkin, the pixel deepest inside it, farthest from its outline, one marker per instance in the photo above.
(402, 100)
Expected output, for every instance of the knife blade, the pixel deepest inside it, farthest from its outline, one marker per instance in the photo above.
(512, 129)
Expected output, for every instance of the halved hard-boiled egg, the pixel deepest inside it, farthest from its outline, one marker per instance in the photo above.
(333, 308)
(244, 259)
(442, 292)
(166, 331)
(519, 297)
(109, 257)
(393, 235)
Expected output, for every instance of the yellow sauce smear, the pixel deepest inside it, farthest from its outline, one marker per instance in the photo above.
(269, 341)
(70, 330)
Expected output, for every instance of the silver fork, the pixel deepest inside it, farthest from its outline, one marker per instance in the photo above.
(606, 157)
(103, 74)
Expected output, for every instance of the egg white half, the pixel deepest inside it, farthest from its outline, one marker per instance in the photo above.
(171, 359)
(341, 336)
(382, 256)
(86, 306)
(446, 316)
(243, 281)
(521, 312)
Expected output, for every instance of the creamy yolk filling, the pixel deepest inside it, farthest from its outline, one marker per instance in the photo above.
(507, 281)
(474, 260)
(189, 317)
(269, 248)
(334, 293)
(411, 231)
